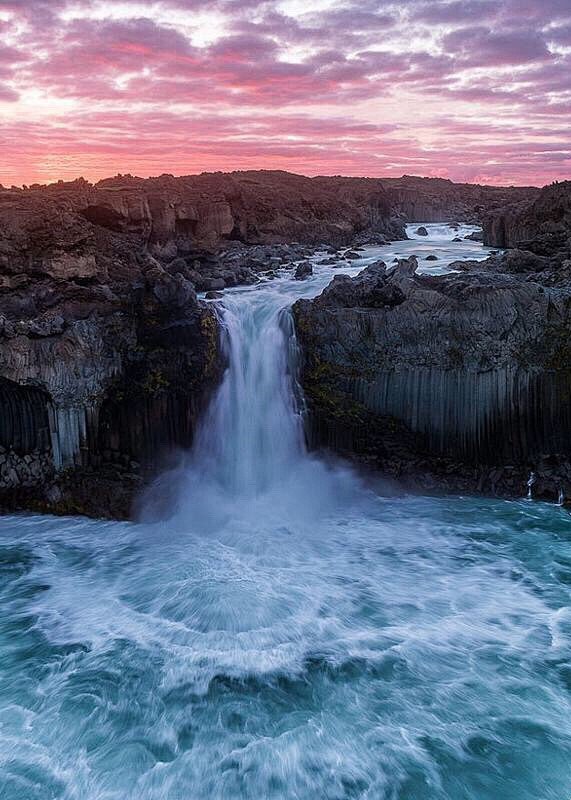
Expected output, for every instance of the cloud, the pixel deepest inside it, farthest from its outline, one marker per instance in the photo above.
(8, 95)
(360, 87)
(457, 11)
(479, 46)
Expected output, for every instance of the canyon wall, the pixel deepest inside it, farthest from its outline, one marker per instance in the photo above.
(107, 356)
(541, 223)
(461, 381)
(441, 200)
(106, 359)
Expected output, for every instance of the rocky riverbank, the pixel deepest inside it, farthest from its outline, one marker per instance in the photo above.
(540, 223)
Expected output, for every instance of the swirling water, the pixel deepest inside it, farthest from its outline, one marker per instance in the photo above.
(276, 628)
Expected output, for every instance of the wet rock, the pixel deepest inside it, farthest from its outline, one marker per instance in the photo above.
(431, 257)
(540, 223)
(475, 236)
(303, 271)
(421, 231)
(370, 289)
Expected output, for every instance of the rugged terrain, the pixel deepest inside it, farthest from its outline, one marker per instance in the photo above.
(107, 356)
(441, 200)
(540, 223)
(460, 381)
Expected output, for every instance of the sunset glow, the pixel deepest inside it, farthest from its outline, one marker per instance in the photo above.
(475, 91)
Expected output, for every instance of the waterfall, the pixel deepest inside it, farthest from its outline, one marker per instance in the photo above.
(253, 433)
(249, 458)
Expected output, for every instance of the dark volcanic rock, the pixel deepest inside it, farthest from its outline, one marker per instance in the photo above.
(106, 360)
(370, 289)
(541, 224)
(303, 270)
(421, 231)
(440, 200)
(461, 381)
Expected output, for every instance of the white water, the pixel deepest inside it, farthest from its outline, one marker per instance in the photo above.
(282, 631)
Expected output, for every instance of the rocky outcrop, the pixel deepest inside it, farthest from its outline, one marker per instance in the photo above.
(439, 200)
(460, 381)
(178, 216)
(541, 224)
(106, 358)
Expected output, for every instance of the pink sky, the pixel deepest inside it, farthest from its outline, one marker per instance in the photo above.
(475, 90)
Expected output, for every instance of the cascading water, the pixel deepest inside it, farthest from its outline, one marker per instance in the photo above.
(253, 434)
(530, 482)
(249, 456)
(275, 630)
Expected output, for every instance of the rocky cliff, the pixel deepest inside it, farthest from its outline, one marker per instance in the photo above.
(441, 200)
(106, 355)
(106, 358)
(541, 224)
(459, 382)
(177, 215)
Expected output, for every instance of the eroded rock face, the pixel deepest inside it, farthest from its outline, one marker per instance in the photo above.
(460, 381)
(541, 224)
(440, 200)
(100, 373)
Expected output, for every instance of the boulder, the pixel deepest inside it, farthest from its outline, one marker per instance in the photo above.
(421, 231)
(303, 271)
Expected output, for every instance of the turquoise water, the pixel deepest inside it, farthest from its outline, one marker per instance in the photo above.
(274, 627)
(400, 648)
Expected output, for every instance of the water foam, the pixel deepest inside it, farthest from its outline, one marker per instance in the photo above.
(275, 630)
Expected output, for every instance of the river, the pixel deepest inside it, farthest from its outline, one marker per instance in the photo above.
(274, 627)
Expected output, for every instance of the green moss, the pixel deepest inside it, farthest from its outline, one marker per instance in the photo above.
(209, 329)
(321, 386)
(155, 382)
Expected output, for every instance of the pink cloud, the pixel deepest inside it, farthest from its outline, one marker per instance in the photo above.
(276, 90)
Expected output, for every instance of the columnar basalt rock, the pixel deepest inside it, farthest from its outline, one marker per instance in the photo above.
(541, 224)
(91, 321)
(107, 356)
(439, 200)
(461, 381)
